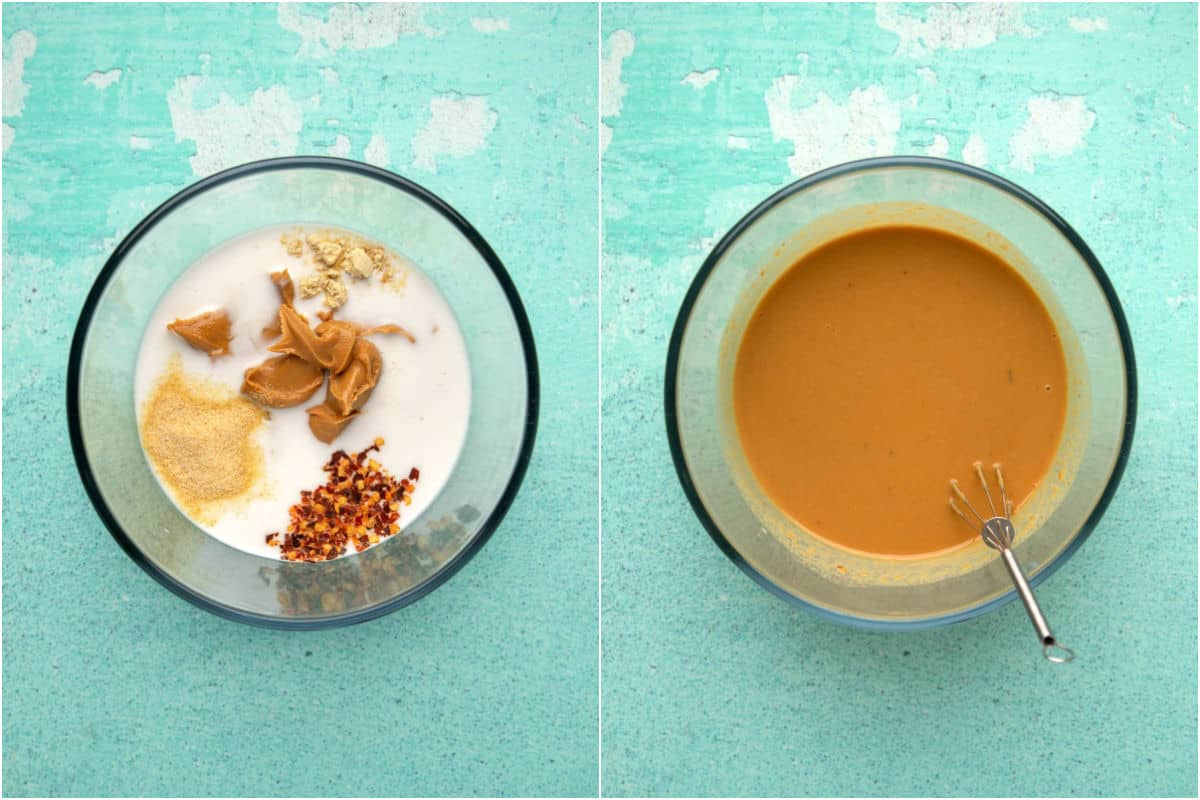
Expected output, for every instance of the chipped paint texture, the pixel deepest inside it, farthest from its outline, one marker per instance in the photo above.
(352, 27)
(950, 27)
(228, 133)
(340, 147)
(939, 148)
(737, 143)
(102, 80)
(975, 151)
(20, 47)
(698, 80)
(826, 132)
(377, 151)
(490, 24)
(139, 143)
(1088, 24)
(619, 46)
(457, 127)
(1055, 127)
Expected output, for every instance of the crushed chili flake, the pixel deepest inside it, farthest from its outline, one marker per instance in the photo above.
(358, 506)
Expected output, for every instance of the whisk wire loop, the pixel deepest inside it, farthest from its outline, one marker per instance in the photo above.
(998, 533)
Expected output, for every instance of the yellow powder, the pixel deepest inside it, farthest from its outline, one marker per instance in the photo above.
(199, 436)
(336, 254)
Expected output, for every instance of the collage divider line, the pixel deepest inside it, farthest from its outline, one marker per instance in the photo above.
(599, 408)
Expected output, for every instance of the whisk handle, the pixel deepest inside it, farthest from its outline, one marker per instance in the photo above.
(1051, 649)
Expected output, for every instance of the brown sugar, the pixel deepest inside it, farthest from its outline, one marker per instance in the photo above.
(208, 332)
(199, 436)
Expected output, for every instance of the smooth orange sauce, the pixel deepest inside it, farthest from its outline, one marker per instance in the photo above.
(883, 364)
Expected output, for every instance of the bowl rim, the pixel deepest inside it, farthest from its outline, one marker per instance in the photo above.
(525, 332)
(847, 168)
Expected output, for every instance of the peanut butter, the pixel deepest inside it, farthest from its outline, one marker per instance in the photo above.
(390, 328)
(287, 296)
(283, 282)
(329, 346)
(209, 332)
(283, 381)
(327, 424)
(350, 388)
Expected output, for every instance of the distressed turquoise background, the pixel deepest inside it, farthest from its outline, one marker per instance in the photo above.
(713, 687)
(111, 684)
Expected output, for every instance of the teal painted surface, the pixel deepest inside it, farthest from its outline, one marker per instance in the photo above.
(114, 686)
(713, 687)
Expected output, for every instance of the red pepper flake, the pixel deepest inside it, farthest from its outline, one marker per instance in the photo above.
(355, 508)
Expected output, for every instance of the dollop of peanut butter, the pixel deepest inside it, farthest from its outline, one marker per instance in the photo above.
(330, 345)
(389, 327)
(350, 388)
(282, 381)
(326, 424)
(283, 282)
(209, 332)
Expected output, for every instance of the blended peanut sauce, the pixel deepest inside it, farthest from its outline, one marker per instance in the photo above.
(883, 364)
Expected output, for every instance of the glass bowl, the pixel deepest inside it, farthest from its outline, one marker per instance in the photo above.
(857, 588)
(504, 399)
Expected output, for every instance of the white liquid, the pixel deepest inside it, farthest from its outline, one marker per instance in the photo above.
(420, 406)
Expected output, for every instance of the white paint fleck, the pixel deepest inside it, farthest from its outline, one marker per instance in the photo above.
(950, 27)
(21, 47)
(939, 148)
(330, 75)
(1088, 24)
(612, 90)
(228, 133)
(377, 151)
(489, 24)
(737, 143)
(1175, 122)
(698, 80)
(340, 147)
(457, 127)
(1174, 302)
(1055, 127)
(139, 143)
(928, 75)
(102, 80)
(352, 27)
(826, 132)
(975, 151)
(578, 123)
(913, 101)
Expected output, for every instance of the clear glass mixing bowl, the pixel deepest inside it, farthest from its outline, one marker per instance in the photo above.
(809, 571)
(504, 399)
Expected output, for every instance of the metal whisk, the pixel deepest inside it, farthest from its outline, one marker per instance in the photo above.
(998, 533)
